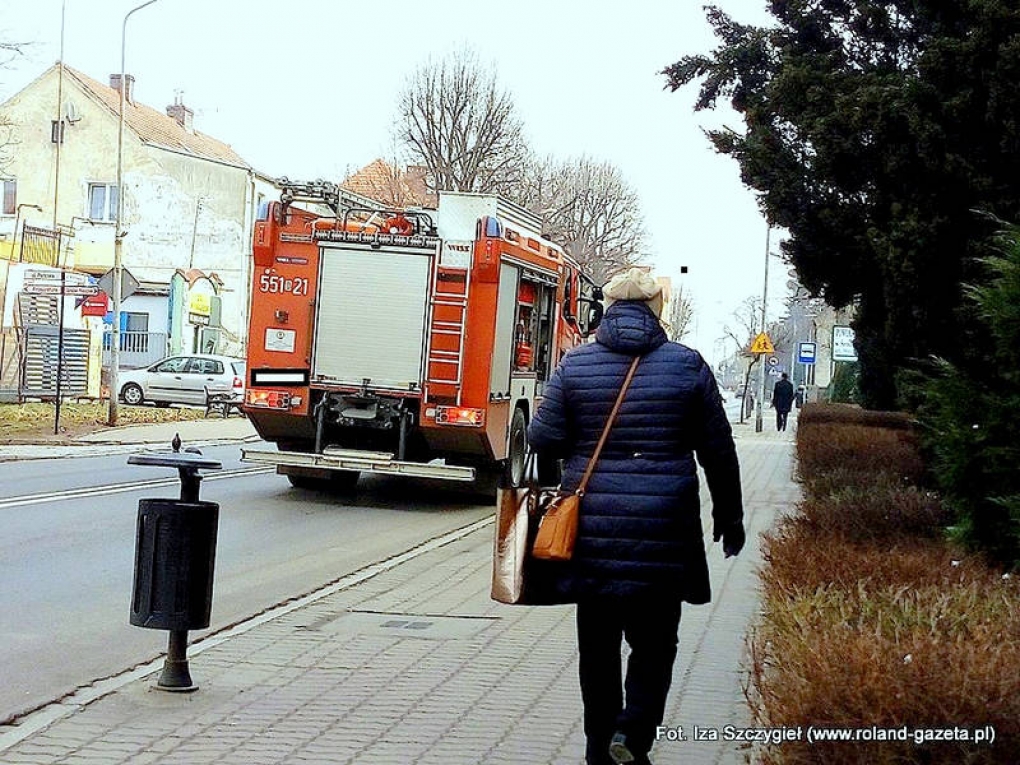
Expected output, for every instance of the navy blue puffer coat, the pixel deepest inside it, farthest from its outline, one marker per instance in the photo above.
(640, 528)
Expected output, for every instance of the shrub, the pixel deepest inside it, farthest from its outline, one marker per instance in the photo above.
(845, 386)
(970, 415)
(851, 414)
(885, 511)
(800, 560)
(859, 454)
(889, 656)
(871, 620)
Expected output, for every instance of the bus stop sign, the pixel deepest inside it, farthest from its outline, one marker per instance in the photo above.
(806, 353)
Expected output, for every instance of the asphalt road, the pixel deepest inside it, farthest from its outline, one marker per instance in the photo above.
(67, 557)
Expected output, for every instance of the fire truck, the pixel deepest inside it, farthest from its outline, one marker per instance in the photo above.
(404, 341)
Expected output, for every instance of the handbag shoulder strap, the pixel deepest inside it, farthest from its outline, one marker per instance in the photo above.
(579, 491)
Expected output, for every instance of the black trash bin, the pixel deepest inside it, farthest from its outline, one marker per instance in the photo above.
(175, 555)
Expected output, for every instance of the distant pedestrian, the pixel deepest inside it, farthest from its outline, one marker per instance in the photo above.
(798, 400)
(639, 553)
(782, 400)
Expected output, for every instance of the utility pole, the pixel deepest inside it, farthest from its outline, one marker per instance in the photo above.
(764, 303)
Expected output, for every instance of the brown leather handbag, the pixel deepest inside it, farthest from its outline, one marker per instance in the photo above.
(557, 530)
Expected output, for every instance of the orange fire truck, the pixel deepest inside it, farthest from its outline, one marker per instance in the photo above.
(410, 342)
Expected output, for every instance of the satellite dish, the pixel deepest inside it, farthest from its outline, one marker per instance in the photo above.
(71, 112)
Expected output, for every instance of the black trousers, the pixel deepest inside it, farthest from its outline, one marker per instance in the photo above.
(781, 419)
(634, 706)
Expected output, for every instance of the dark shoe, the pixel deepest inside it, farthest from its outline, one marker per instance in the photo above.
(621, 753)
(619, 750)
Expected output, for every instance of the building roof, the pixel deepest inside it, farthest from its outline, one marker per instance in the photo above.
(385, 183)
(157, 128)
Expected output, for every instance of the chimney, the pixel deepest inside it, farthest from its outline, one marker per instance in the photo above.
(182, 114)
(129, 94)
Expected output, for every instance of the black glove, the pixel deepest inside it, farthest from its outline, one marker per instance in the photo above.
(732, 537)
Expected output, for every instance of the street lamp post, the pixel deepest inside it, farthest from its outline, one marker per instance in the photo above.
(118, 234)
(17, 221)
(7, 276)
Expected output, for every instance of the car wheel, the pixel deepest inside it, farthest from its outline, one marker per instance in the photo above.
(131, 394)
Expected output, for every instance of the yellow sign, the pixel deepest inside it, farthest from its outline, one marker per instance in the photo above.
(199, 304)
(762, 344)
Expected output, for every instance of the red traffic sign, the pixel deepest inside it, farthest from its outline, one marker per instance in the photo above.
(95, 305)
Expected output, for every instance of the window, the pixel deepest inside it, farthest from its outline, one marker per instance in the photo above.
(175, 365)
(10, 196)
(136, 322)
(103, 201)
(56, 131)
(205, 367)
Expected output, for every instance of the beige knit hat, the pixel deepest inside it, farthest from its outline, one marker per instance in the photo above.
(634, 284)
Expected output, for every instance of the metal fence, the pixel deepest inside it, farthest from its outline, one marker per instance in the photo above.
(46, 354)
(40, 245)
(137, 349)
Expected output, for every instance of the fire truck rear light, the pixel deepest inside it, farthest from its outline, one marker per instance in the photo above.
(455, 415)
(268, 399)
(430, 413)
(295, 401)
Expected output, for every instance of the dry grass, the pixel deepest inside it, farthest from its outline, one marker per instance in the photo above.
(34, 421)
(871, 619)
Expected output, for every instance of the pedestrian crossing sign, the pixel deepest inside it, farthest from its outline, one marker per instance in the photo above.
(762, 344)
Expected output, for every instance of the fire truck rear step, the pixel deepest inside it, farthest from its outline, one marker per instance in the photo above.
(363, 461)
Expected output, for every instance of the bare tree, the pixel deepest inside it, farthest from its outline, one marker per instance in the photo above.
(743, 332)
(9, 52)
(588, 208)
(456, 121)
(681, 312)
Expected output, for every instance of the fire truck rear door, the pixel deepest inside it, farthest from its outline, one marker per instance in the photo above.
(371, 316)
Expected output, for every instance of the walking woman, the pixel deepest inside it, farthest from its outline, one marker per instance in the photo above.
(640, 551)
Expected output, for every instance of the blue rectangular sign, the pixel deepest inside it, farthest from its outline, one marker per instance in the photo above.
(806, 353)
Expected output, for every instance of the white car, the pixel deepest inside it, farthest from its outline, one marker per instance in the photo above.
(184, 379)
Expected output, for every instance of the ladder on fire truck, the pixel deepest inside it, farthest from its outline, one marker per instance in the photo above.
(445, 358)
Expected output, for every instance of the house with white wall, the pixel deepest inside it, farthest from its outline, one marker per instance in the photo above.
(189, 201)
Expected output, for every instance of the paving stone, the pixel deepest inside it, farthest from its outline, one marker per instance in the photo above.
(318, 686)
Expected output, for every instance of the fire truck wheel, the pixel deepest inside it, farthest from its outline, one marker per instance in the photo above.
(304, 482)
(343, 480)
(338, 480)
(517, 450)
(549, 471)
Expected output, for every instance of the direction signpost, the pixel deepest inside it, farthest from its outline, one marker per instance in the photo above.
(64, 284)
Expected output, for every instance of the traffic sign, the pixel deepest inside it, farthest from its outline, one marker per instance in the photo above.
(806, 353)
(773, 361)
(762, 344)
(54, 289)
(128, 283)
(843, 344)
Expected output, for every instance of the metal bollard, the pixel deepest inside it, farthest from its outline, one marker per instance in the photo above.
(175, 553)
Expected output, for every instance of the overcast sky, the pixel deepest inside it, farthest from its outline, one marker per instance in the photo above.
(313, 93)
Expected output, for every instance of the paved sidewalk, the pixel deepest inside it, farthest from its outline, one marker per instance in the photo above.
(416, 666)
(211, 430)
